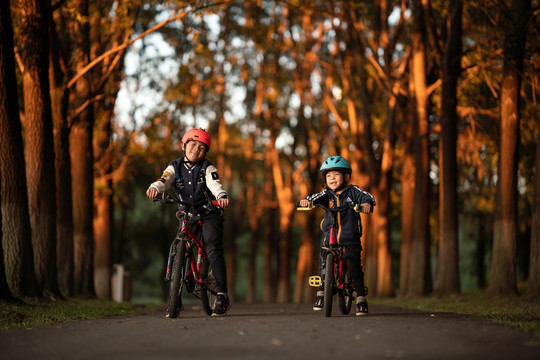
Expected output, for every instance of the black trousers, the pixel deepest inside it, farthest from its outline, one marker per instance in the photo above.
(351, 254)
(212, 235)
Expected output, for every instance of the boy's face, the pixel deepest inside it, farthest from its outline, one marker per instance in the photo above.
(335, 179)
(195, 150)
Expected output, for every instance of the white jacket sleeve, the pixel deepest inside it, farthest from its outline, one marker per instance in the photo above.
(214, 184)
(166, 180)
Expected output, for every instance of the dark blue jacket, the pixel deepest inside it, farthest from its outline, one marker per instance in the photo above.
(349, 223)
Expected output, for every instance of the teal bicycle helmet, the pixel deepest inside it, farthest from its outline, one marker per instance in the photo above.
(336, 163)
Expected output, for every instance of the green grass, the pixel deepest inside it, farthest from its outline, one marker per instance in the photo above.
(515, 311)
(38, 312)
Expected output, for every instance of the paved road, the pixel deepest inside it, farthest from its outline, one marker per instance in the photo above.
(274, 331)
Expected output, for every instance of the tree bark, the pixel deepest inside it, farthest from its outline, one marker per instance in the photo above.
(503, 265)
(448, 266)
(420, 275)
(39, 144)
(534, 263)
(16, 239)
(82, 158)
(64, 216)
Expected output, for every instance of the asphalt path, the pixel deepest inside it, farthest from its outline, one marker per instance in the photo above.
(273, 331)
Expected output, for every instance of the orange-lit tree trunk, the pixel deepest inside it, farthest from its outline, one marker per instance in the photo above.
(39, 145)
(286, 207)
(420, 275)
(448, 266)
(15, 221)
(407, 198)
(82, 123)
(503, 265)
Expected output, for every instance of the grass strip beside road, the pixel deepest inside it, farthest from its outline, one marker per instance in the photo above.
(520, 312)
(38, 312)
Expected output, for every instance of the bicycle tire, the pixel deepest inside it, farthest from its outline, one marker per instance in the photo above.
(207, 288)
(176, 279)
(329, 284)
(345, 296)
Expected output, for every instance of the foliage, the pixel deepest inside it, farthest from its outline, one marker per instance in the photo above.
(519, 312)
(33, 312)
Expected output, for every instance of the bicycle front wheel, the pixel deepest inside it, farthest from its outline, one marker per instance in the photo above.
(207, 288)
(329, 284)
(345, 296)
(176, 279)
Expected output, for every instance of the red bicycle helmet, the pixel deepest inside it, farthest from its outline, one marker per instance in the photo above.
(199, 135)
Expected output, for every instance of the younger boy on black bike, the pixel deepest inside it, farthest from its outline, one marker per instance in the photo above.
(194, 179)
(337, 172)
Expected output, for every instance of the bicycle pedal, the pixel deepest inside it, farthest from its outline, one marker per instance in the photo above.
(315, 281)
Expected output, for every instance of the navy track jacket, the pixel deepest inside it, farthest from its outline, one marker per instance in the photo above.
(349, 223)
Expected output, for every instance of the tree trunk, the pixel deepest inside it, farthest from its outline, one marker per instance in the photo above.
(407, 198)
(420, 275)
(16, 239)
(534, 263)
(82, 159)
(503, 265)
(448, 267)
(39, 144)
(64, 216)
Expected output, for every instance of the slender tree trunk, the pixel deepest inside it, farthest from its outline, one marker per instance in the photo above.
(448, 268)
(503, 265)
(420, 275)
(16, 239)
(39, 144)
(64, 216)
(407, 198)
(82, 159)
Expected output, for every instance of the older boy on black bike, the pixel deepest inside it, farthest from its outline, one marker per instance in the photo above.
(337, 172)
(194, 179)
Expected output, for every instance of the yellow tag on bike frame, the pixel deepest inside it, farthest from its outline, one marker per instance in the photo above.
(315, 281)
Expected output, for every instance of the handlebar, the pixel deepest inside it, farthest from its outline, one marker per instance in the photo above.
(171, 199)
(355, 207)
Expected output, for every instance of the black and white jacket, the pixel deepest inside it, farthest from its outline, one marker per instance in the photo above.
(191, 184)
(349, 229)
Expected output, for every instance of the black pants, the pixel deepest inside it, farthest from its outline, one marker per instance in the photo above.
(212, 235)
(351, 254)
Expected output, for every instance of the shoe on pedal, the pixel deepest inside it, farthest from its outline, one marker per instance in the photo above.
(319, 302)
(361, 306)
(222, 305)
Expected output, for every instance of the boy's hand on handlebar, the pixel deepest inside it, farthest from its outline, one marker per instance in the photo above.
(152, 193)
(304, 203)
(364, 208)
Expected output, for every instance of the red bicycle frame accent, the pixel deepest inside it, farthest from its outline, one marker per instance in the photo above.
(196, 267)
(341, 267)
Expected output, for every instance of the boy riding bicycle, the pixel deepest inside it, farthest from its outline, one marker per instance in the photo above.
(337, 172)
(194, 179)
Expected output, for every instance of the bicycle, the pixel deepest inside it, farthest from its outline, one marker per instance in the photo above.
(340, 281)
(196, 275)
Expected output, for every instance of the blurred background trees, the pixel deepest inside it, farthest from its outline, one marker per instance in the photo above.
(434, 103)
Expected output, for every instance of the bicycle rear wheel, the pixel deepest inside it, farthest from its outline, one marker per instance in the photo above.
(207, 288)
(329, 284)
(345, 296)
(176, 279)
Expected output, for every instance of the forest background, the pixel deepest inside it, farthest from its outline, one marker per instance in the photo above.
(434, 103)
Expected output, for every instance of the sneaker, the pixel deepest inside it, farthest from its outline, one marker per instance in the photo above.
(319, 302)
(222, 305)
(361, 306)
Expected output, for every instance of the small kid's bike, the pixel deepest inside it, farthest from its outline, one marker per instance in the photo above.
(183, 268)
(336, 277)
